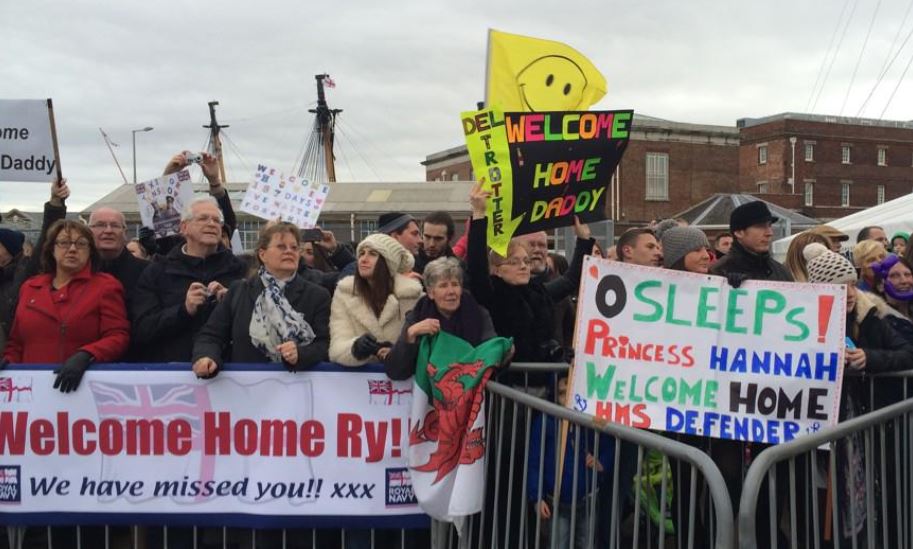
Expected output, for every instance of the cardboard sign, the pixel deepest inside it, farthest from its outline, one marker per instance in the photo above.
(257, 446)
(27, 141)
(687, 353)
(162, 200)
(543, 169)
(272, 195)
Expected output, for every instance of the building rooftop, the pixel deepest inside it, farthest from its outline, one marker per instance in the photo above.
(714, 212)
(424, 196)
(824, 118)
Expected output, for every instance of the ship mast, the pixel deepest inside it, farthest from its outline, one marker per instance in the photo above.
(325, 127)
(215, 142)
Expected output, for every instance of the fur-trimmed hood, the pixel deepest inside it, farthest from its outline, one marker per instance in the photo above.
(867, 302)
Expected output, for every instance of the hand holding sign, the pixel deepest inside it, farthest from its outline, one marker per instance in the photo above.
(59, 192)
(478, 200)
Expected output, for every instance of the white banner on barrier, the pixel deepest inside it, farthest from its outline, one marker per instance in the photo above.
(26, 144)
(249, 442)
(687, 353)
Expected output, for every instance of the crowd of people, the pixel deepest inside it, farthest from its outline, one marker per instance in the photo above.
(90, 294)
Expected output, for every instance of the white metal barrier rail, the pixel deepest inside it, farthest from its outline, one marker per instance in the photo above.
(880, 516)
(511, 518)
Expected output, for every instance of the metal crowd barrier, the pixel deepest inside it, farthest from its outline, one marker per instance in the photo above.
(689, 505)
(823, 506)
(652, 490)
(141, 537)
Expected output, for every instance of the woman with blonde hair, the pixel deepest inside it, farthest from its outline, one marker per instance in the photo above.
(864, 254)
(795, 261)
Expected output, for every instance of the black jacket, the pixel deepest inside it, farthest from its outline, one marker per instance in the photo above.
(752, 265)
(422, 260)
(226, 335)
(162, 329)
(126, 268)
(885, 351)
(525, 313)
(400, 364)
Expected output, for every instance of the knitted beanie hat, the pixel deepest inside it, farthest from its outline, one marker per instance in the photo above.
(398, 258)
(679, 241)
(826, 266)
(12, 241)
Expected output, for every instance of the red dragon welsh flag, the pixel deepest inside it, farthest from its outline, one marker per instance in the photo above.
(447, 439)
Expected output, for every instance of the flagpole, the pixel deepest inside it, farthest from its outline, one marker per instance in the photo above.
(108, 143)
(487, 67)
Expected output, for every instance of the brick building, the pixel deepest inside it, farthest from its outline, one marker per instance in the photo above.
(825, 166)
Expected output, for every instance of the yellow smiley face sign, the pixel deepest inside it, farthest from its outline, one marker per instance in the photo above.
(552, 83)
(533, 75)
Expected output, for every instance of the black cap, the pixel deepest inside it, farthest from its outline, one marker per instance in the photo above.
(750, 213)
(393, 221)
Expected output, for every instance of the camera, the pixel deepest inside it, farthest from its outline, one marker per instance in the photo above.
(192, 157)
(552, 351)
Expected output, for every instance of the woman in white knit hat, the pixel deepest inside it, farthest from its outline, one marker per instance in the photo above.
(369, 307)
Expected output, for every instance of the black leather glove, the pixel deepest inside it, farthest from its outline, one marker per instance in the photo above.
(365, 346)
(552, 351)
(147, 240)
(736, 279)
(70, 373)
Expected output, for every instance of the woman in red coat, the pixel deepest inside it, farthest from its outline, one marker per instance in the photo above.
(71, 315)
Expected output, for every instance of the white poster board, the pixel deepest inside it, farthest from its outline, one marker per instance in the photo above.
(688, 353)
(161, 201)
(26, 141)
(272, 195)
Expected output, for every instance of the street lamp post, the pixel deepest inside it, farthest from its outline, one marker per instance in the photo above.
(146, 129)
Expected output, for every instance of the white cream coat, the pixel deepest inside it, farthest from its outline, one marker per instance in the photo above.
(351, 317)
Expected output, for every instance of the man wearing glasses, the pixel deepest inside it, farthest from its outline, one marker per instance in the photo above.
(177, 292)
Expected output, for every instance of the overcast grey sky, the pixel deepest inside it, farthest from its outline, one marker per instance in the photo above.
(404, 71)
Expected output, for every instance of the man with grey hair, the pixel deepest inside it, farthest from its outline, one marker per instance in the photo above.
(178, 291)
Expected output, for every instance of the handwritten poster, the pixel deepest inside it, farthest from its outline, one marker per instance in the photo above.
(544, 168)
(161, 201)
(688, 353)
(273, 195)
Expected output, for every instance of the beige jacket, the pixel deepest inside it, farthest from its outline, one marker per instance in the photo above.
(351, 317)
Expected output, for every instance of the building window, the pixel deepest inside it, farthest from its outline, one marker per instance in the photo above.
(845, 195)
(880, 197)
(882, 156)
(809, 152)
(762, 187)
(846, 154)
(762, 154)
(366, 227)
(809, 194)
(657, 176)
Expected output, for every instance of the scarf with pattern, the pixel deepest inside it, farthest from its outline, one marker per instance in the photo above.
(274, 321)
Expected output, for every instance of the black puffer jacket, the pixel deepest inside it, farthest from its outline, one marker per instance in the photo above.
(885, 351)
(752, 265)
(163, 331)
(525, 313)
(226, 335)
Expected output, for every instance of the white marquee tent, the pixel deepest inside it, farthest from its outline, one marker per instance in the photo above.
(893, 216)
